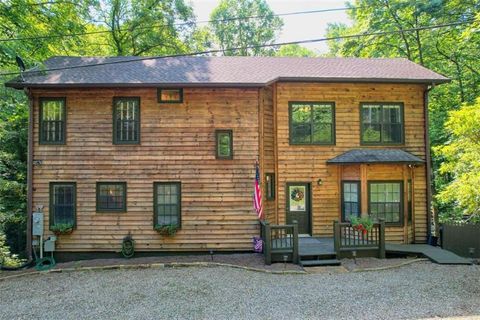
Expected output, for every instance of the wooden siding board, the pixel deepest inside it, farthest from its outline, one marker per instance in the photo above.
(177, 144)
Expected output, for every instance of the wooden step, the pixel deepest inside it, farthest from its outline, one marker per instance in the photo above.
(314, 263)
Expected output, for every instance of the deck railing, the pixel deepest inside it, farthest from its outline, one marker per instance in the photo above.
(280, 242)
(349, 241)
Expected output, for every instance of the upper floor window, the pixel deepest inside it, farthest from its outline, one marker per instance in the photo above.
(62, 203)
(381, 123)
(224, 141)
(52, 121)
(312, 123)
(170, 95)
(126, 120)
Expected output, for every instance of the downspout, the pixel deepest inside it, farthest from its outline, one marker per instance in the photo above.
(29, 174)
(428, 162)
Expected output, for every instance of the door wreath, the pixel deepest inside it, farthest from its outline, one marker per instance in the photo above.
(297, 194)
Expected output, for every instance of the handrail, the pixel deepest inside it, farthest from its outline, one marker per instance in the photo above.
(279, 240)
(347, 238)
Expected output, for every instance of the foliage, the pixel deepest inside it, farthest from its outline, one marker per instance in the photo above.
(168, 230)
(62, 228)
(294, 50)
(238, 33)
(361, 224)
(461, 160)
(146, 27)
(6, 258)
(452, 51)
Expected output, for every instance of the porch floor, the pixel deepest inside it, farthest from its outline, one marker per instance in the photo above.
(316, 246)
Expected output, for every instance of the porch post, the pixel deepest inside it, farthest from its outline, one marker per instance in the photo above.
(295, 243)
(381, 253)
(267, 244)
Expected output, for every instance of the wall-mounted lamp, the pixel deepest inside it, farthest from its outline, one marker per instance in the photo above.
(319, 182)
(37, 162)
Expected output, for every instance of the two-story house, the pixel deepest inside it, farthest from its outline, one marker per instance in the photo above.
(120, 145)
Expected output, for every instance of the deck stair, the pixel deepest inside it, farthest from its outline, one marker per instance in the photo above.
(317, 252)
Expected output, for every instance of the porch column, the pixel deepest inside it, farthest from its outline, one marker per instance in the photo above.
(364, 189)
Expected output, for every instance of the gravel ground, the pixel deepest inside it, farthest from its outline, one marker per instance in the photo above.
(418, 290)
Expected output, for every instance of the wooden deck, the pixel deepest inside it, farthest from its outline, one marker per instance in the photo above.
(436, 254)
(324, 248)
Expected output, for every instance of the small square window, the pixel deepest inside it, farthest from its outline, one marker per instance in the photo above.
(111, 196)
(224, 144)
(170, 95)
(270, 186)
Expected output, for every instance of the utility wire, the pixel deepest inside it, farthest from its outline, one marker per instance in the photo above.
(375, 34)
(180, 24)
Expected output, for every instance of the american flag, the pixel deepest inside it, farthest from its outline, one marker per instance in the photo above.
(257, 196)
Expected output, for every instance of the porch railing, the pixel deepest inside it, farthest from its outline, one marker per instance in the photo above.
(280, 242)
(349, 241)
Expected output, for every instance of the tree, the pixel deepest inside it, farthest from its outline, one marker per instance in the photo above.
(240, 33)
(461, 159)
(146, 27)
(294, 50)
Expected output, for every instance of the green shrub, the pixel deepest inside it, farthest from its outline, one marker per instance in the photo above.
(6, 258)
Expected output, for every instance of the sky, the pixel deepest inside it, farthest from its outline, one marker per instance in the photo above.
(298, 27)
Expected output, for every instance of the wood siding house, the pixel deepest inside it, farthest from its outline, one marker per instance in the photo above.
(121, 145)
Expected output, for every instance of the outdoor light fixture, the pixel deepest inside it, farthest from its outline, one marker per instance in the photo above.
(285, 258)
(354, 255)
(319, 182)
(471, 251)
(211, 254)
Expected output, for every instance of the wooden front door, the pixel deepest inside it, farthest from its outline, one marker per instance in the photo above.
(298, 206)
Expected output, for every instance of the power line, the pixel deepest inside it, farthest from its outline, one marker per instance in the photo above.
(375, 34)
(181, 24)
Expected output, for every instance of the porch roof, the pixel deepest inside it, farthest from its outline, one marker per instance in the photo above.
(375, 156)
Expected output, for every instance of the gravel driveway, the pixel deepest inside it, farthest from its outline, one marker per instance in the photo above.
(414, 291)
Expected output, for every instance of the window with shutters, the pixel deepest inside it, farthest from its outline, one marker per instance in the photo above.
(126, 120)
(52, 121)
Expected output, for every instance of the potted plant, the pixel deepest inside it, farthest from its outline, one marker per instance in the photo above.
(168, 230)
(363, 225)
(62, 228)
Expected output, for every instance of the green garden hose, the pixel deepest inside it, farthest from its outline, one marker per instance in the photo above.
(128, 246)
(44, 264)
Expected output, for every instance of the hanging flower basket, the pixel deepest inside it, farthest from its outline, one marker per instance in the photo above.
(362, 225)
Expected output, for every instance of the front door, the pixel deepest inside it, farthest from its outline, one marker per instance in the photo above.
(298, 206)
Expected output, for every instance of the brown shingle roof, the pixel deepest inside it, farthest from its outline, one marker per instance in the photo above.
(225, 71)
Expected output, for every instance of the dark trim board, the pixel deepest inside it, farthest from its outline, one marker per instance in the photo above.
(66, 256)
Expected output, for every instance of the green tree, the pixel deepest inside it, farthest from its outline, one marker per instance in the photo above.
(240, 33)
(147, 27)
(461, 160)
(295, 50)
